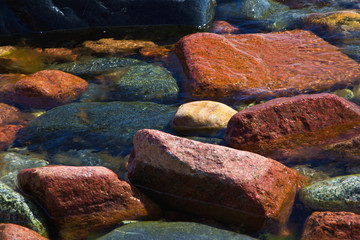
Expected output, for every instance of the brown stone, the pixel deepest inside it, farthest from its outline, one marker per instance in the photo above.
(110, 46)
(11, 121)
(335, 22)
(156, 52)
(9, 231)
(56, 55)
(223, 27)
(332, 226)
(82, 200)
(48, 88)
(240, 67)
(213, 181)
(202, 117)
(294, 128)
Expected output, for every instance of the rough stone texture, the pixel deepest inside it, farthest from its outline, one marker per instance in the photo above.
(49, 88)
(85, 199)
(10, 231)
(11, 121)
(223, 27)
(202, 117)
(296, 128)
(335, 194)
(53, 55)
(213, 181)
(14, 208)
(262, 65)
(109, 46)
(332, 226)
(171, 230)
(340, 22)
(43, 15)
(96, 126)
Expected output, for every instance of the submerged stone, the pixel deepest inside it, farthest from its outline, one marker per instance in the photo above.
(249, 66)
(213, 181)
(42, 15)
(298, 128)
(14, 208)
(82, 200)
(171, 230)
(332, 226)
(97, 126)
(334, 194)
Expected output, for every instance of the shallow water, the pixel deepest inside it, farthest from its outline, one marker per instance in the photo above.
(247, 16)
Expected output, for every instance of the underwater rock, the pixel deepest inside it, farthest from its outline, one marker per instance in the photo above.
(213, 181)
(11, 163)
(249, 66)
(332, 226)
(296, 129)
(52, 55)
(171, 230)
(202, 117)
(223, 27)
(334, 194)
(156, 52)
(10, 231)
(14, 208)
(82, 200)
(143, 82)
(48, 88)
(250, 9)
(43, 15)
(98, 126)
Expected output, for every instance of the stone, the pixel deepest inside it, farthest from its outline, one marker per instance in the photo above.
(99, 126)
(172, 230)
(334, 194)
(49, 88)
(56, 55)
(345, 93)
(42, 15)
(213, 181)
(11, 121)
(261, 66)
(92, 67)
(250, 9)
(10, 231)
(223, 27)
(15, 208)
(20, 60)
(296, 128)
(313, 175)
(202, 117)
(332, 226)
(145, 82)
(156, 52)
(110, 46)
(339, 22)
(82, 200)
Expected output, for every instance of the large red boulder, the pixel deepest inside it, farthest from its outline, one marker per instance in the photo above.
(9, 231)
(11, 121)
(332, 226)
(213, 181)
(82, 200)
(262, 65)
(295, 128)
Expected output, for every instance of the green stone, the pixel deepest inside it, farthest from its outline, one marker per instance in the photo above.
(334, 194)
(15, 208)
(171, 230)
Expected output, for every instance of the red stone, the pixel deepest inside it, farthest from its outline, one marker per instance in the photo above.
(332, 226)
(294, 128)
(52, 55)
(244, 66)
(49, 88)
(82, 200)
(223, 27)
(9, 231)
(11, 121)
(213, 181)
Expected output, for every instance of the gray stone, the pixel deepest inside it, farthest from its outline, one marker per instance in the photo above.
(97, 126)
(146, 82)
(14, 208)
(335, 194)
(171, 230)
